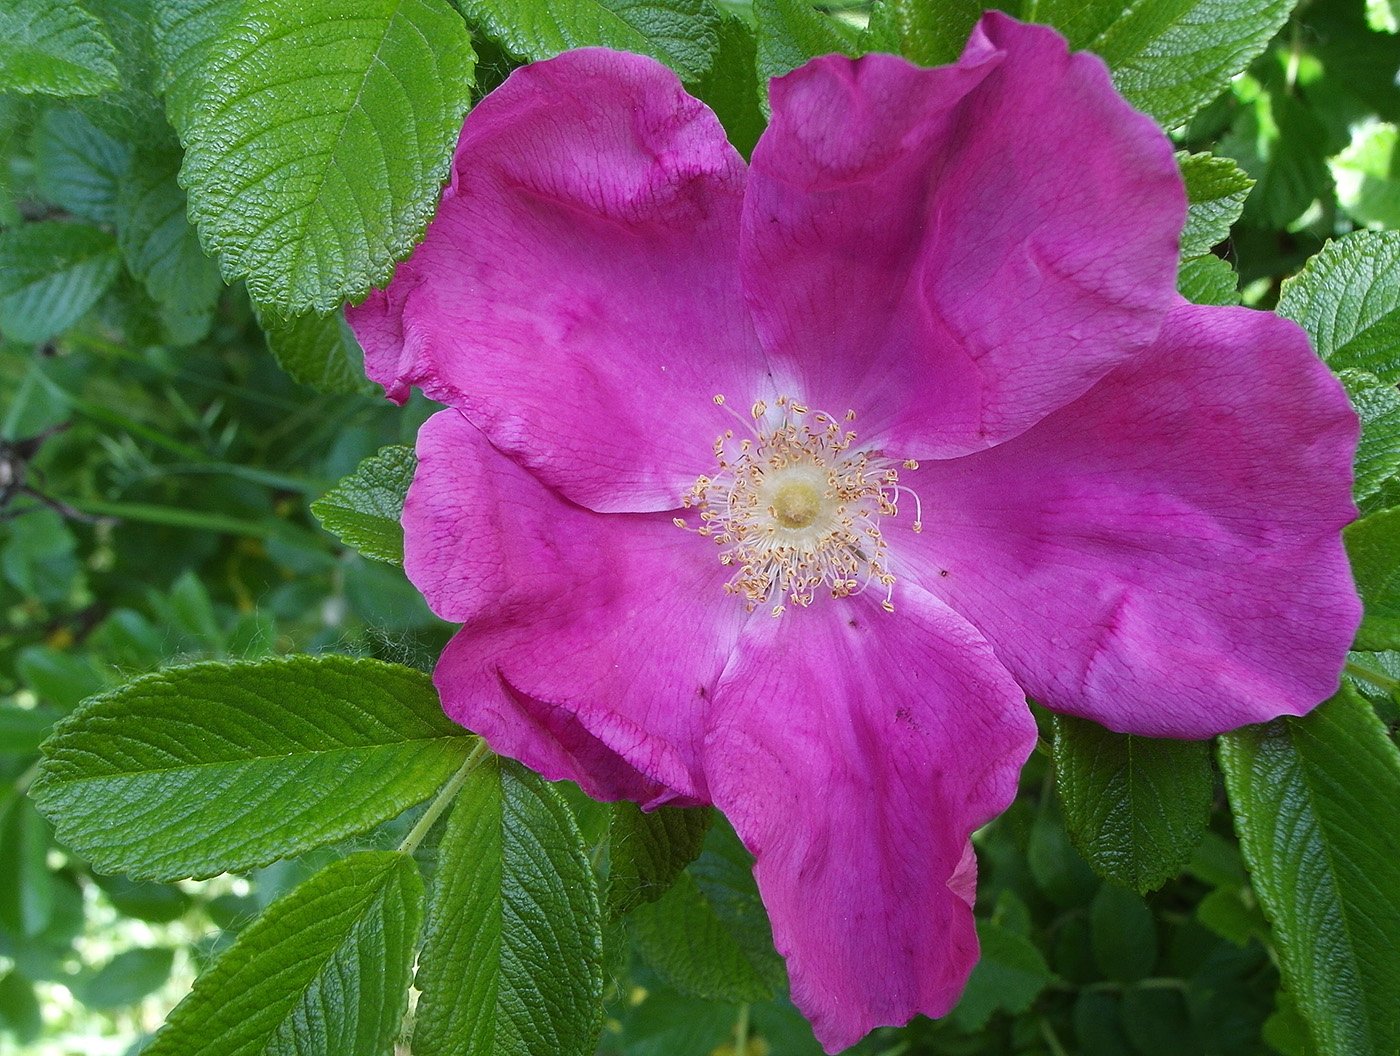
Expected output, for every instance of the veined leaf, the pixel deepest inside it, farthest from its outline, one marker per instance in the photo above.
(1373, 544)
(790, 32)
(320, 351)
(929, 34)
(296, 168)
(53, 48)
(1216, 189)
(51, 273)
(213, 767)
(1135, 807)
(78, 166)
(512, 960)
(323, 972)
(1311, 799)
(681, 33)
(648, 851)
(363, 510)
(1348, 300)
(1378, 454)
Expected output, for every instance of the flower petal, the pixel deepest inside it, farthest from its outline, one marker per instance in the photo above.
(955, 252)
(1164, 554)
(592, 642)
(577, 294)
(855, 751)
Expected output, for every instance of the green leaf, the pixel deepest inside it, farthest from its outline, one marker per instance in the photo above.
(1348, 300)
(324, 972)
(1135, 807)
(1170, 57)
(1312, 800)
(363, 510)
(1124, 934)
(19, 1007)
(1378, 455)
(215, 767)
(1367, 177)
(1208, 279)
(51, 273)
(709, 935)
(684, 34)
(731, 87)
(22, 729)
(162, 249)
(792, 31)
(26, 888)
(320, 351)
(1008, 977)
(77, 165)
(186, 32)
(930, 34)
(648, 851)
(56, 49)
(318, 148)
(512, 959)
(1281, 143)
(126, 978)
(1373, 544)
(1216, 189)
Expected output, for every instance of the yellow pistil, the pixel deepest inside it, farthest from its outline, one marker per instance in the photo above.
(796, 510)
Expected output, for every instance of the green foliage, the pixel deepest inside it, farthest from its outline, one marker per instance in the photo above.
(1378, 454)
(288, 754)
(790, 32)
(1373, 544)
(929, 34)
(363, 510)
(1348, 300)
(324, 972)
(648, 851)
(684, 34)
(1306, 795)
(708, 936)
(1135, 807)
(57, 49)
(320, 351)
(512, 962)
(51, 273)
(297, 183)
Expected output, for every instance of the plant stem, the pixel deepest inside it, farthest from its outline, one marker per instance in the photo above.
(1380, 681)
(443, 798)
(741, 1031)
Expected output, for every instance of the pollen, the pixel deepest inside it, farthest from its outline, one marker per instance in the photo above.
(795, 508)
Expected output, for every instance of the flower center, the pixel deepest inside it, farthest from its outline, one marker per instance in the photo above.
(795, 509)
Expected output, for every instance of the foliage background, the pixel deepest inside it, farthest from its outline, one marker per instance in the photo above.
(193, 401)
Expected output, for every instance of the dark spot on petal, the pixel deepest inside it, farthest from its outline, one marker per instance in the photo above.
(943, 572)
(704, 695)
(854, 624)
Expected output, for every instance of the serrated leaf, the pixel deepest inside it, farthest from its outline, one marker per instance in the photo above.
(323, 972)
(363, 510)
(512, 959)
(1171, 57)
(320, 351)
(1216, 189)
(56, 49)
(185, 32)
(1348, 300)
(709, 935)
(51, 273)
(791, 31)
(648, 851)
(162, 249)
(929, 34)
(318, 149)
(1373, 544)
(731, 88)
(77, 165)
(1311, 799)
(1135, 807)
(215, 767)
(1378, 454)
(1208, 279)
(1010, 974)
(681, 33)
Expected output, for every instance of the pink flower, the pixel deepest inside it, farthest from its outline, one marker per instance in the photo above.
(972, 445)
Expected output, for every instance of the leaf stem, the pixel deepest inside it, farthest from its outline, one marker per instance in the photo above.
(1380, 681)
(741, 1031)
(443, 798)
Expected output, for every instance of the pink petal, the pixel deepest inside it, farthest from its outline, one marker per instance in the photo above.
(577, 294)
(855, 751)
(1163, 555)
(955, 252)
(592, 642)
